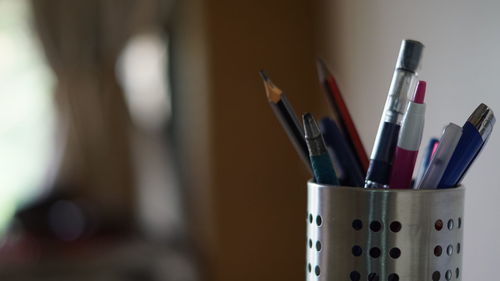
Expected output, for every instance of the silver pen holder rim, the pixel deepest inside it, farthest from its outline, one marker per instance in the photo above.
(386, 190)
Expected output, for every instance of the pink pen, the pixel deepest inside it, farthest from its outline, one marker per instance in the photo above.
(434, 149)
(409, 140)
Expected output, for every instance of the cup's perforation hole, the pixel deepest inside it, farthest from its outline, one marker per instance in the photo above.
(448, 275)
(357, 251)
(319, 220)
(393, 277)
(357, 224)
(395, 253)
(459, 222)
(438, 251)
(449, 250)
(375, 252)
(436, 276)
(457, 272)
(373, 277)
(310, 243)
(375, 226)
(355, 276)
(317, 270)
(438, 225)
(310, 218)
(451, 224)
(458, 248)
(395, 226)
(309, 267)
(318, 246)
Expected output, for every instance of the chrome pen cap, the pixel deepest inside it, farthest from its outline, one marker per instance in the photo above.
(409, 55)
(483, 119)
(313, 136)
(403, 81)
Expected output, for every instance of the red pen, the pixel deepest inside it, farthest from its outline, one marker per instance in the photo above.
(409, 140)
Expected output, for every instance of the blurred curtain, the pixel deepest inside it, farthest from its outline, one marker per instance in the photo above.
(82, 41)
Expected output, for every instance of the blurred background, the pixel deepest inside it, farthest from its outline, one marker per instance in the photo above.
(136, 142)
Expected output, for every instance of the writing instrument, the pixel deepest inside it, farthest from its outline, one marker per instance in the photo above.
(426, 159)
(409, 140)
(339, 108)
(475, 132)
(447, 145)
(335, 140)
(321, 163)
(287, 117)
(403, 82)
(434, 150)
(337, 167)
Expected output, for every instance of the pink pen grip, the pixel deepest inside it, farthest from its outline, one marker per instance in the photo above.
(402, 168)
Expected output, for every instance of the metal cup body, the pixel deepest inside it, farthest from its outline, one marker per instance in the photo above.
(384, 234)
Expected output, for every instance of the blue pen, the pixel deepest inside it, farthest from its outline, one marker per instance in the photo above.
(320, 160)
(335, 140)
(475, 132)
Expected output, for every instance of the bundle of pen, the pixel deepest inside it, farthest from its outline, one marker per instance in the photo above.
(396, 146)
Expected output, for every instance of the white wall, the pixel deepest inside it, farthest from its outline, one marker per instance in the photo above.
(361, 39)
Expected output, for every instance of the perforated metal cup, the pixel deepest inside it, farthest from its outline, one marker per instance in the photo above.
(384, 234)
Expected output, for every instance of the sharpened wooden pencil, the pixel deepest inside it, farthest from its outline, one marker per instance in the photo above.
(287, 117)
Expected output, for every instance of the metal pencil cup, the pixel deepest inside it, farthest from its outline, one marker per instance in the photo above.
(384, 234)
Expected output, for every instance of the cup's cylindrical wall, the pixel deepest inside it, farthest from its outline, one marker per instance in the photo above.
(384, 234)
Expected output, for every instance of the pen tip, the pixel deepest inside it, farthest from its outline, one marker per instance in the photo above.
(263, 75)
(420, 92)
(311, 128)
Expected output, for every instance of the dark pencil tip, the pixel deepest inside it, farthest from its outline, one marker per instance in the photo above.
(322, 69)
(321, 61)
(263, 75)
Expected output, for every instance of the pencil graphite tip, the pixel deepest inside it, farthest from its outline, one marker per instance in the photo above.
(311, 128)
(273, 93)
(322, 69)
(263, 75)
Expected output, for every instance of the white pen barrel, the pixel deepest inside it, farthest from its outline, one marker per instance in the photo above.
(412, 127)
